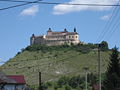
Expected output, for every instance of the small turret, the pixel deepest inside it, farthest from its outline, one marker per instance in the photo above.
(32, 39)
(33, 35)
(65, 30)
(74, 29)
(49, 30)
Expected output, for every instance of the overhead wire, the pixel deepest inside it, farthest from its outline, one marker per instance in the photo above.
(18, 1)
(18, 5)
(115, 26)
(103, 32)
(108, 25)
(37, 2)
(84, 4)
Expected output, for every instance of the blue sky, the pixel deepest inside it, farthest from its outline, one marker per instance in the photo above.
(18, 24)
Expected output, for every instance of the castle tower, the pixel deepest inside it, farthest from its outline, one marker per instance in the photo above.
(49, 32)
(74, 29)
(32, 39)
(65, 30)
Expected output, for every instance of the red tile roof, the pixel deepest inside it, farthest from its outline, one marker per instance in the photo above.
(18, 78)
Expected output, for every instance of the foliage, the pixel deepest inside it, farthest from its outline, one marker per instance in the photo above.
(63, 81)
(33, 87)
(56, 86)
(84, 48)
(48, 84)
(92, 78)
(104, 46)
(67, 87)
(44, 87)
(112, 80)
(76, 82)
(58, 58)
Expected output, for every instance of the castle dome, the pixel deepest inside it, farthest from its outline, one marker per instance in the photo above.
(49, 30)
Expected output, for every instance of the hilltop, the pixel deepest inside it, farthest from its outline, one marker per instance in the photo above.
(55, 61)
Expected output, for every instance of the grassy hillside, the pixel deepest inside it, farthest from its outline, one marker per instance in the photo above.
(54, 62)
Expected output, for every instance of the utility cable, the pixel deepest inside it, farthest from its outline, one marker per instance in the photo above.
(108, 24)
(115, 26)
(18, 5)
(81, 4)
(26, 2)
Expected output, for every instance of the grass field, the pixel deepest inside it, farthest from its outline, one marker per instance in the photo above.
(53, 64)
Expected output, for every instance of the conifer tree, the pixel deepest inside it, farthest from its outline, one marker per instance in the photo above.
(112, 79)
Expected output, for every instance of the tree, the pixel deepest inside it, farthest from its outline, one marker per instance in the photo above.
(112, 79)
(92, 79)
(67, 87)
(63, 81)
(104, 46)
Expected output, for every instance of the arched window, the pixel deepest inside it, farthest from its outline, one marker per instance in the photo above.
(69, 36)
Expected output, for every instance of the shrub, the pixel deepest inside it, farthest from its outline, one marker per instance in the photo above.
(67, 87)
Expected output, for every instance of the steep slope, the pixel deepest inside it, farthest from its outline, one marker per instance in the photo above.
(53, 63)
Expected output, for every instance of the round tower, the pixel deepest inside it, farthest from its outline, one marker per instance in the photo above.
(32, 39)
(74, 29)
(49, 32)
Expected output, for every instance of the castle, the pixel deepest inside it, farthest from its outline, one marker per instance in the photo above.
(56, 38)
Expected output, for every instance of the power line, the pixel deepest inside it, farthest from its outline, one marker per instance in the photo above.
(103, 33)
(20, 1)
(27, 2)
(108, 25)
(16, 1)
(18, 5)
(115, 25)
(115, 28)
(82, 4)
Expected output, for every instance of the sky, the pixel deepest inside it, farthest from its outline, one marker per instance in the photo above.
(18, 24)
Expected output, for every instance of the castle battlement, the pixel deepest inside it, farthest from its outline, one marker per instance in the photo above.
(56, 38)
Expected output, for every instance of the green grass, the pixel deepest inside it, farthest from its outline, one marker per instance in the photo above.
(53, 64)
(60, 89)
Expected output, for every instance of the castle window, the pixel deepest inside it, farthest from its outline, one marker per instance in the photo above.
(72, 36)
(76, 36)
(69, 36)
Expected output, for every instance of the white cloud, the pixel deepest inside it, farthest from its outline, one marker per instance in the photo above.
(63, 9)
(105, 17)
(31, 11)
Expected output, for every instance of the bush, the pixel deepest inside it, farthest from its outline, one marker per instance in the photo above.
(56, 86)
(63, 81)
(104, 46)
(75, 81)
(44, 87)
(49, 84)
(67, 87)
(84, 48)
